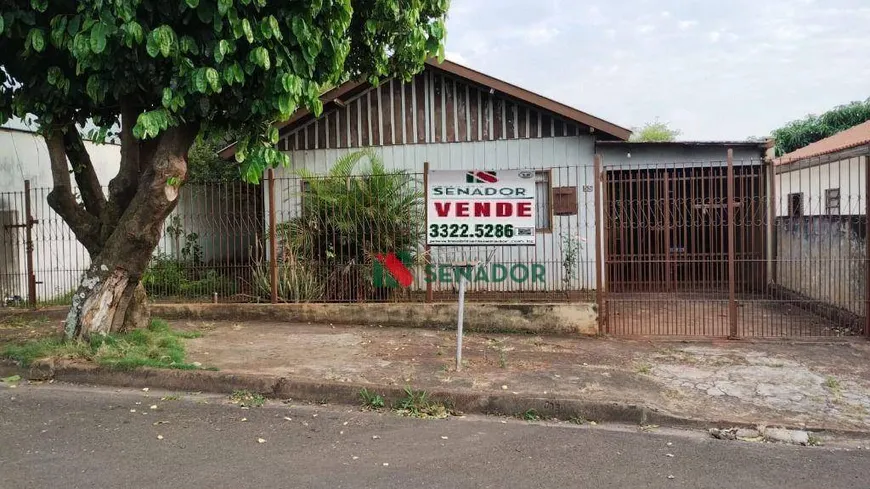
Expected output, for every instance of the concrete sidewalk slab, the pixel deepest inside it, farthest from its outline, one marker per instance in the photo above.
(823, 385)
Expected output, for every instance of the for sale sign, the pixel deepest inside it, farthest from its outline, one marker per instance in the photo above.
(480, 208)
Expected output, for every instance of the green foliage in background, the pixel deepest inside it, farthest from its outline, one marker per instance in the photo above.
(654, 132)
(812, 128)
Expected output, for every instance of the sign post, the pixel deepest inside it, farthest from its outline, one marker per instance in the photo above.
(478, 208)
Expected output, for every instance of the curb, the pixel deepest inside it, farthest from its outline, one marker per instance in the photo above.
(309, 390)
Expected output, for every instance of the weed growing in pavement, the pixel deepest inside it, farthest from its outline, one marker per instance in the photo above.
(417, 404)
(371, 400)
(247, 399)
(578, 420)
(155, 346)
(644, 369)
(531, 415)
(814, 440)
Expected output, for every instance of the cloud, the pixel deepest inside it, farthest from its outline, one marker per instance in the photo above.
(717, 73)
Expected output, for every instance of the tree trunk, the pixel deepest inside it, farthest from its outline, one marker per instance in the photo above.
(110, 297)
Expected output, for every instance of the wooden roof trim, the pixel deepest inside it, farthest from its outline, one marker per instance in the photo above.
(336, 93)
(532, 98)
(460, 71)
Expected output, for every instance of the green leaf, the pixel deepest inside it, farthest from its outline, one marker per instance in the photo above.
(54, 75)
(2, 24)
(72, 27)
(39, 5)
(273, 135)
(37, 40)
(276, 28)
(246, 28)
(98, 38)
(224, 6)
(286, 105)
(11, 379)
(151, 46)
(260, 57)
(292, 84)
(94, 89)
(200, 84)
(192, 3)
(214, 79)
(220, 50)
(167, 97)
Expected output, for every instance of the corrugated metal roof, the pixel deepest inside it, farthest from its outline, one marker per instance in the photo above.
(742, 144)
(843, 140)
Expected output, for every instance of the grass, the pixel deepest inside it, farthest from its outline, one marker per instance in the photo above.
(371, 400)
(814, 440)
(417, 404)
(644, 369)
(247, 399)
(156, 346)
(832, 384)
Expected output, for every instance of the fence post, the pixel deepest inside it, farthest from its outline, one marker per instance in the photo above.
(732, 286)
(867, 246)
(599, 259)
(273, 239)
(28, 230)
(427, 251)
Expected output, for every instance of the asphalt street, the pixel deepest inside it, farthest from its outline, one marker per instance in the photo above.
(76, 437)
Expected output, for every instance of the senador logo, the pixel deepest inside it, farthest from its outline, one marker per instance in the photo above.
(393, 270)
(481, 177)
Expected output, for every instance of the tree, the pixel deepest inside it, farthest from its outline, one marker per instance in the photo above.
(812, 128)
(654, 132)
(158, 73)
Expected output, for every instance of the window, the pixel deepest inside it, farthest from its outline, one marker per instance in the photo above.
(795, 205)
(543, 194)
(832, 201)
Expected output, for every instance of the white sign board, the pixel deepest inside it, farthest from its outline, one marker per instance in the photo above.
(480, 208)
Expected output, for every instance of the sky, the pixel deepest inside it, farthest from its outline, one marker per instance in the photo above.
(715, 70)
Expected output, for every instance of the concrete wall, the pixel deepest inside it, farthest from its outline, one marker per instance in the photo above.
(568, 159)
(822, 258)
(58, 257)
(821, 255)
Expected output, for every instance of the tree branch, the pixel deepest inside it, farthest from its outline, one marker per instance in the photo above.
(83, 170)
(122, 188)
(61, 198)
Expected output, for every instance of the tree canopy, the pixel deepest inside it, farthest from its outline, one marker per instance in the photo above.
(654, 132)
(812, 128)
(222, 64)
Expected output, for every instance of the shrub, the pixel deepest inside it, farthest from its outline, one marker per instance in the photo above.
(297, 282)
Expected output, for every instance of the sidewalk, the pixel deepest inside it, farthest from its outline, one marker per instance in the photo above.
(819, 385)
(823, 386)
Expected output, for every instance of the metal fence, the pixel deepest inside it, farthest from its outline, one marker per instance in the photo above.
(736, 249)
(714, 248)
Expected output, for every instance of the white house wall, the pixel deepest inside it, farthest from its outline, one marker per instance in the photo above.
(849, 175)
(58, 257)
(569, 159)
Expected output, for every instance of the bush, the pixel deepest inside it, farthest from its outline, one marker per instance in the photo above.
(167, 277)
(297, 282)
(347, 218)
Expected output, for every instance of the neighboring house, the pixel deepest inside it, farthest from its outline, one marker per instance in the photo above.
(58, 257)
(453, 117)
(821, 209)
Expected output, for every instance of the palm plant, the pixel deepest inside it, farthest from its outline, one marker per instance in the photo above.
(350, 215)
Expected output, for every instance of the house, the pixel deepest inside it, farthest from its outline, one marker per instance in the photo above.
(58, 258)
(821, 223)
(450, 117)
